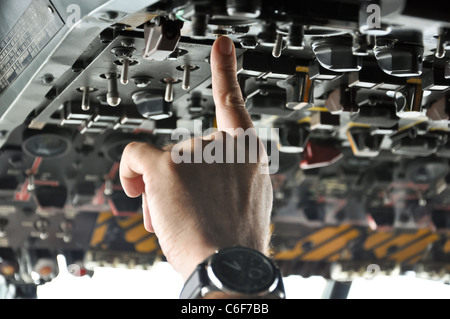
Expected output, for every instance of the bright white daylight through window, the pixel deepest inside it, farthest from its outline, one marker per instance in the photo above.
(162, 282)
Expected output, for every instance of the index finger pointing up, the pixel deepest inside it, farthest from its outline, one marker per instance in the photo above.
(230, 108)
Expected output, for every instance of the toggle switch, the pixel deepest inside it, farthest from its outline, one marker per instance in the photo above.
(278, 46)
(85, 102)
(3, 223)
(296, 36)
(169, 82)
(187, 69)
(270, 36)
(113, 96)
(442, 42)
(124, 54)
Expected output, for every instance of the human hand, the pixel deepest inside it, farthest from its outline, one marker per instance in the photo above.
(197, 208)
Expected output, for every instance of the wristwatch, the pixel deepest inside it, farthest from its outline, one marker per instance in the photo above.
(236, 271)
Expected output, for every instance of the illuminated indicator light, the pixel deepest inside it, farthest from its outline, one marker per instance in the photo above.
(45, 271)
(7, 270)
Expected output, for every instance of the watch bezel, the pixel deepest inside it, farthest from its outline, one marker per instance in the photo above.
(219, 285)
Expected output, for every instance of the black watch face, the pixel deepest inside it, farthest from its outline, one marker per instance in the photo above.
(244, 271)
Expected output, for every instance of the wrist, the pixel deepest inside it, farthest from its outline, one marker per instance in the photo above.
(185, 257)
(187, 254)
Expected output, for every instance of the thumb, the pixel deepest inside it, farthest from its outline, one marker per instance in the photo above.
(138, 159)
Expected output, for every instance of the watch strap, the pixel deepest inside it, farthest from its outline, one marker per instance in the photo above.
(193, 287)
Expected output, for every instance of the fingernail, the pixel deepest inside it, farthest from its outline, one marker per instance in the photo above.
(225, 45)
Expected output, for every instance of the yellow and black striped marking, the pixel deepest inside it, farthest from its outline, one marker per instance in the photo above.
(403, 248)
(329, 243)
(127, 231)
(322, 245)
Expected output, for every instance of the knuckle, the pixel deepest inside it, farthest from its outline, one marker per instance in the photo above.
(233, 99)
(131, 148)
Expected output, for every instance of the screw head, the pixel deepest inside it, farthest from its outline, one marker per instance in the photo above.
(48, 79)
(141, 81)
(123, 52)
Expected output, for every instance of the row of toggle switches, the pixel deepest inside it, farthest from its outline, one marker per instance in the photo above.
(125, 60)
